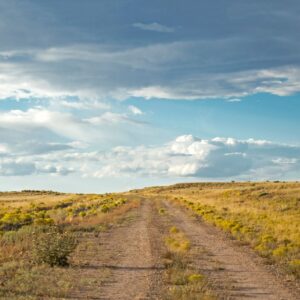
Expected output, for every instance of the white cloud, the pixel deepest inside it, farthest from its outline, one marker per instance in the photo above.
(82, 104)
(194, 69)
(109, 118)
(183, 170)
(185, 157)
(234, 100)
(104, 61)
(25, 166)
(154, 27)
(4, 149)
(135, 110)
(156, 92)
(63, 124)
(55, 170)
(188, 156)
(45, 130)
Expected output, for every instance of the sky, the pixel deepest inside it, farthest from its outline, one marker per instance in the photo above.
(112, 95)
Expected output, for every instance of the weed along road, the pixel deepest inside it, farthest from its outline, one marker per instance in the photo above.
(161, 251)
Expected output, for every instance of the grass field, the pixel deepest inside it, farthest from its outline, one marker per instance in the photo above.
(154, 241)
(39, 230)
(264, 215)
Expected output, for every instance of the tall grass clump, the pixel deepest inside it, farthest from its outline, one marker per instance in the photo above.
(185, 282)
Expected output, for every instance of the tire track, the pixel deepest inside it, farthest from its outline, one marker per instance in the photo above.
(234, 272)
(136, 270)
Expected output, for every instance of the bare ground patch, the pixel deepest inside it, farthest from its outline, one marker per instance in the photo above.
(123, 262)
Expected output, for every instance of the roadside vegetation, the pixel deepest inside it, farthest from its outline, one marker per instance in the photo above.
(264, 215)
(183, 280)
(39, 238)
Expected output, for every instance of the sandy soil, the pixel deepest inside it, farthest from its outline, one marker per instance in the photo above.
(128, 260)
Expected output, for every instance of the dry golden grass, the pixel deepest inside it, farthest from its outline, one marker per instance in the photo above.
(104, 219)
(21, 199)
(184, 280)
(29, 216)
(265, 215)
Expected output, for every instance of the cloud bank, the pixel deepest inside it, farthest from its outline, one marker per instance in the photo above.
(177, 70)
(185, 157)
(218, 50)
(218, 158)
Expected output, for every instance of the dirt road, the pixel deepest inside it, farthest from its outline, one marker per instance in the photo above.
(135, 263)
(236, 272)
(126, 262)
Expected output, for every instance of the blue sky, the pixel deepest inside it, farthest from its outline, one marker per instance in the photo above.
(100, 96)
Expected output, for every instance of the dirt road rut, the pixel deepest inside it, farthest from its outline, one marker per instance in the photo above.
(235, 271)
(136, 270)
(126, 261)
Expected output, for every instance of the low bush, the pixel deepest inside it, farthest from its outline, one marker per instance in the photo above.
(294, 267)
(54, 247)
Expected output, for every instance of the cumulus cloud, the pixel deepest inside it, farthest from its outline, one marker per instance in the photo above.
(188, 156)
(154, 27)
(29, 165)
(135, 110)
(185, 157)
(216, 158)
(54, 170)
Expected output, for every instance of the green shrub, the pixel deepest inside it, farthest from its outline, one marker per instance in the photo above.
(43, 221)
(195, 278)
(294, 267)
(54, 247)
(15, 220)
(104, 209)
(174, 229)
(161, 211)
